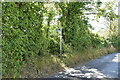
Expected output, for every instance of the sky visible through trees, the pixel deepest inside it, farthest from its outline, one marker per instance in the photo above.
(30, 33)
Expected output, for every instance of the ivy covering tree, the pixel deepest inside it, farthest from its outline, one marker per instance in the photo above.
(29, 29)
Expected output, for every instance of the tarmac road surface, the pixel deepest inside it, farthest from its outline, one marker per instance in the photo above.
(104, 67)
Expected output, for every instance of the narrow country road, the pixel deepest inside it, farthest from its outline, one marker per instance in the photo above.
(104, 67)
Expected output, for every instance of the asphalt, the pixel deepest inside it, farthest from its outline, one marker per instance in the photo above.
(104, 67)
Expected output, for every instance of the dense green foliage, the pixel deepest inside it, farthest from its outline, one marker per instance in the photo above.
(30, 29)
(22, 33)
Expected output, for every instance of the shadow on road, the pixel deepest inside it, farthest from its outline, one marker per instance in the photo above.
(105, 67)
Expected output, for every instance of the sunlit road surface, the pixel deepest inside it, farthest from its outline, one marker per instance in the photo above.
(105, 67)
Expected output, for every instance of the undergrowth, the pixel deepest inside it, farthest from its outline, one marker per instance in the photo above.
(37, 67)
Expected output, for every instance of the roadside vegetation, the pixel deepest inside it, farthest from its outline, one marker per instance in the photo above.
(31, 40)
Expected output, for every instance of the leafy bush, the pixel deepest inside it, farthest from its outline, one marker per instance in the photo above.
(115, 41)
(22, 33)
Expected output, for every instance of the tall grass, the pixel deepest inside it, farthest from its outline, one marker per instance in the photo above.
(37, 67)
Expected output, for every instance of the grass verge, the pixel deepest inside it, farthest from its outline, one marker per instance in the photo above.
(37, 67)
